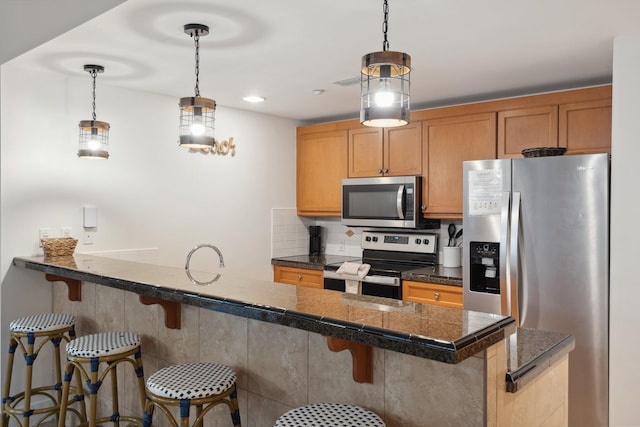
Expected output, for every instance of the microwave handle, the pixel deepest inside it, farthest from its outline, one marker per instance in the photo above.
(399, 201)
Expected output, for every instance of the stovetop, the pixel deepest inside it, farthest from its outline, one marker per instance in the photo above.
(390, 253)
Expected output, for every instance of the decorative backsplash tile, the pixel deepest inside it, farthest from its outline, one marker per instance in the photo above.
(289, 233)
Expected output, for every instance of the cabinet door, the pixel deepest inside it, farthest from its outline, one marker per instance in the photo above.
(365, 152)
(298, 276)
(585, 127)
(431, 293)
(321, 165)
(449, 142)
(526, 128)
(403, 150)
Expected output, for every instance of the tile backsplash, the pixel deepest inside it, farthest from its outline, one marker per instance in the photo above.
(290, 235)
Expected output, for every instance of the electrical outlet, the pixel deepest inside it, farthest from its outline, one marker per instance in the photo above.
(341, 248)
(88, 237)
(66, 231)
(44, 233)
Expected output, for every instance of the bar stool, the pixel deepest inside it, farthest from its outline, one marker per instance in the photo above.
(203, 385)
(112, 349)
(38, 330)
(329, 414)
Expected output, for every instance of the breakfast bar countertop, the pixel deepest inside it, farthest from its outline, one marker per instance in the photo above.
(439, 333)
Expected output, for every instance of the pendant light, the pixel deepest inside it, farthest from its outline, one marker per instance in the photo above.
(94, 135)
(385, 84)
(197, 114)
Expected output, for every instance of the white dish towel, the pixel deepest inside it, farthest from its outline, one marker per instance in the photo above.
(352, 286)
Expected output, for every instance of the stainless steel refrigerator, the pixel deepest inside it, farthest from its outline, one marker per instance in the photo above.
(536, 246)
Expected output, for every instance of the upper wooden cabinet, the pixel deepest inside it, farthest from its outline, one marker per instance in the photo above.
(447, 143)
(526, 128)
(438, 140)
(585, 127)
(321, 165)
(385, 152)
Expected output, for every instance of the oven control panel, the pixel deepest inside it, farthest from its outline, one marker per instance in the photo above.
(400, 241)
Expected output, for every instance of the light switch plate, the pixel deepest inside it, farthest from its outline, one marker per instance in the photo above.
(89, 216)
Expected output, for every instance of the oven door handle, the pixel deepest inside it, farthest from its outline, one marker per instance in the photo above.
(379, 280)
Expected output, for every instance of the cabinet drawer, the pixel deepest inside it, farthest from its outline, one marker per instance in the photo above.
(298, 276)
(431, 293)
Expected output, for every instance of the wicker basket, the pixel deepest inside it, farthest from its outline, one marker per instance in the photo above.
(59, 246)
(543, 151)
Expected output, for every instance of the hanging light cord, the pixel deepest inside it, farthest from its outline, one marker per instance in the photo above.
(94, 74)
(196, 38)
(385, 25)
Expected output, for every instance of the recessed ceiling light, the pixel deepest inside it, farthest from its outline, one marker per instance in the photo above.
(254, 99)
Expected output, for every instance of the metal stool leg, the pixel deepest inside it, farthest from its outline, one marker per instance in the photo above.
(6, 394)
(233, 407)
(141, 383)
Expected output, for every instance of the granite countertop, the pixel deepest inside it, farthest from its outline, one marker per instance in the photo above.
(531, 351)
(311, 262)
(439, 333)
(436, 274)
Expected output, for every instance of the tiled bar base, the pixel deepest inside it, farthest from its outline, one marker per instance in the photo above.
(280, 368)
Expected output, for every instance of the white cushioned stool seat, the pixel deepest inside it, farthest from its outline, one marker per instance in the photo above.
(191, 380)
(42, 322)
(35, 403)
(103, 344)
(201, 385)
(329, 415)
(95, 357)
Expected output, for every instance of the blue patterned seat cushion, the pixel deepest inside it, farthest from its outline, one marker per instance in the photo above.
(329, 415)
(42, 322)
(103, 344)
(191, 380)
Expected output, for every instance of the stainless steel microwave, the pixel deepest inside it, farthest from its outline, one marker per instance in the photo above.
(393, 202)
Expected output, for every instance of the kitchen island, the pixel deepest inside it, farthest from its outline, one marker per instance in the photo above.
(426, 363)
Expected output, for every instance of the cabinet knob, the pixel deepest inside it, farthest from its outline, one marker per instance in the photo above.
(379, 171)
(299, 276)
(385, 170)
(436, 296)
(423, 207)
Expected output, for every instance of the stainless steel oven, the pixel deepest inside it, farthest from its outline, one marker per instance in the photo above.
(389, 253)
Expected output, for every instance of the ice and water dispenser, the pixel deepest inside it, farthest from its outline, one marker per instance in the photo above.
(485, 267)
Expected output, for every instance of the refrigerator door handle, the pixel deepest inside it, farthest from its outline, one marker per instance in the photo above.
(518, 311)
(505, 300)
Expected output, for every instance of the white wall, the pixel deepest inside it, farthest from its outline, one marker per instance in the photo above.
(625, 209)
(149, 194)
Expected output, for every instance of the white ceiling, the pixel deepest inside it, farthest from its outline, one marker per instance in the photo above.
(461, 50)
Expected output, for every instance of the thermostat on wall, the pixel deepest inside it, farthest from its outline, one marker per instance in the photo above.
(89, 216)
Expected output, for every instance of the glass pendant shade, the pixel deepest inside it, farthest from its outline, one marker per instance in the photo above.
(94, 134)
(385, 83)
(197, 120)
(197, 114)
(94, 139)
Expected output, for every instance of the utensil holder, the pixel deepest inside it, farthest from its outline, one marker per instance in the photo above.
(451, 256)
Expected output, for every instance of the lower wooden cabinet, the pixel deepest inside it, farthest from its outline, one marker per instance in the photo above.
(298, 276)
(432, 293)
